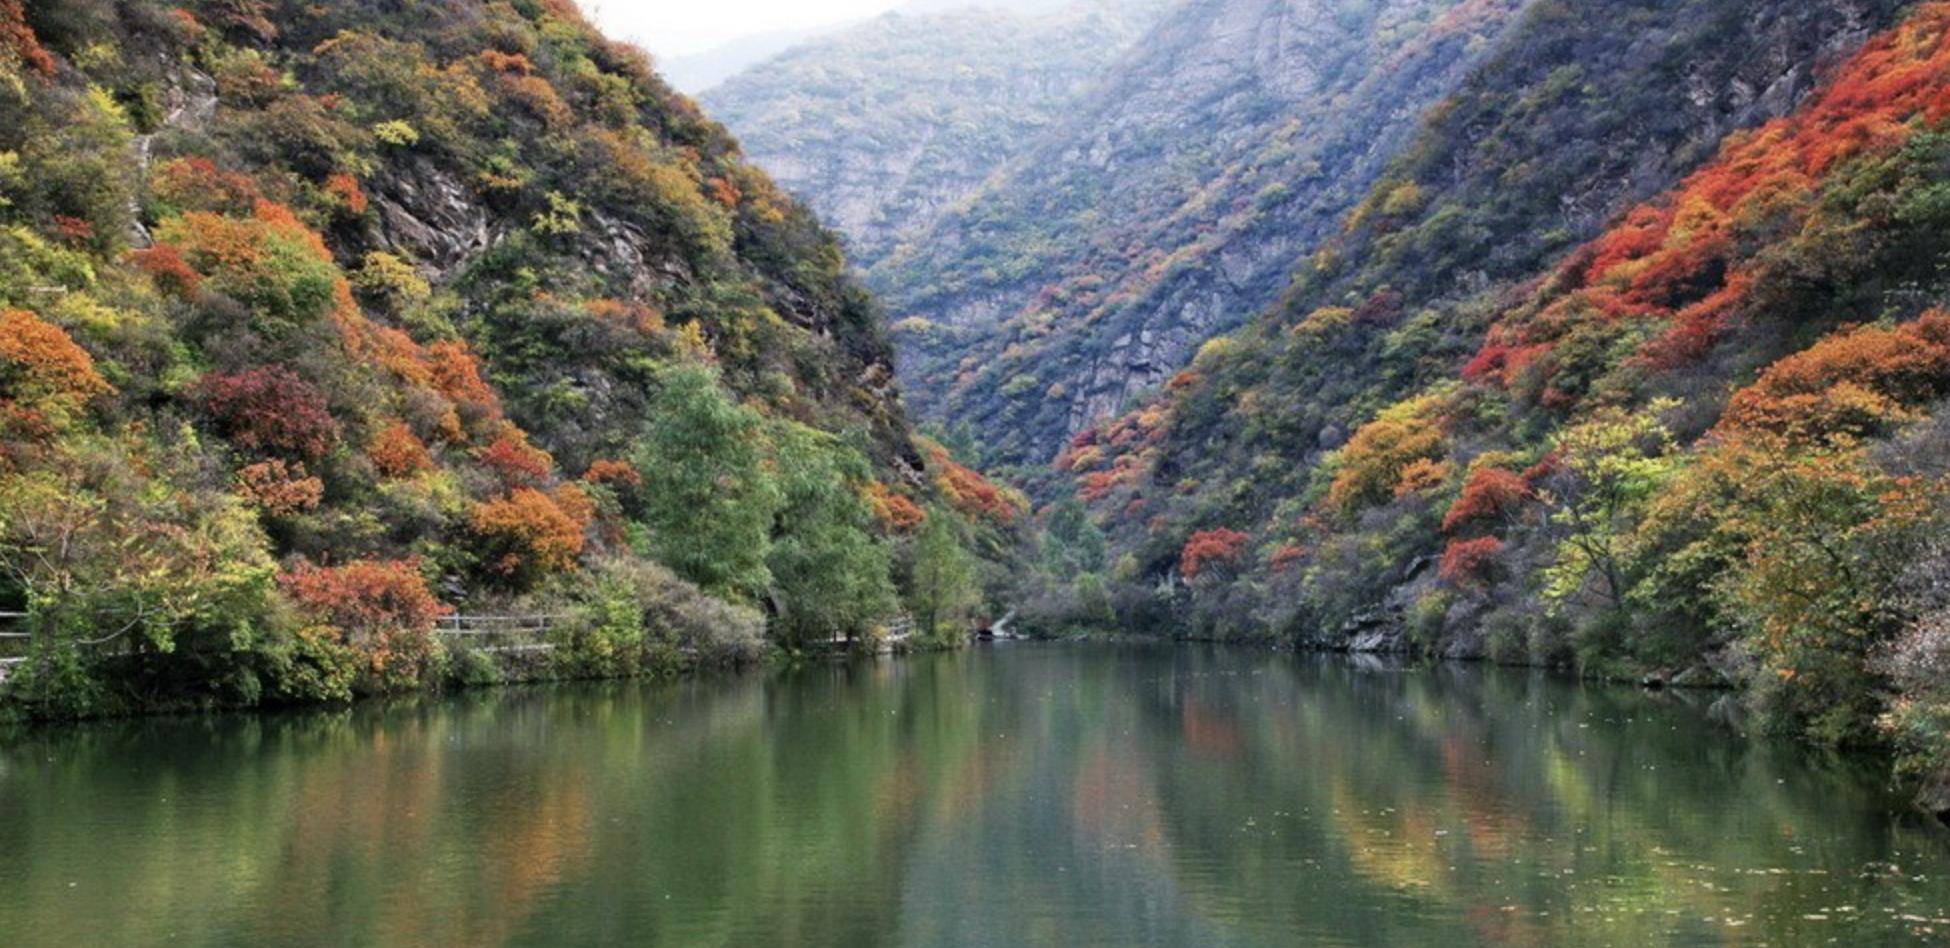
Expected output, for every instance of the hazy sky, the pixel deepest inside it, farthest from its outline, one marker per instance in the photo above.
(681, 27)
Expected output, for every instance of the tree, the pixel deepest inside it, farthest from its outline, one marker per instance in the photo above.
(272, 410)
(101, 546)
(830, 573)
(1608, 468)
(1818, 585)
(708, 502)
(1368, 469)
(41, 367)
(1491, 494)
(944, 592)
(1076, 544)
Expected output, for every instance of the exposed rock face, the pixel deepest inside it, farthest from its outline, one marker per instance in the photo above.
(1169, 206)
(883, 127)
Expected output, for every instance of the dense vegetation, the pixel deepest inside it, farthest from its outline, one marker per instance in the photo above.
(321, 321)
(1705, 445)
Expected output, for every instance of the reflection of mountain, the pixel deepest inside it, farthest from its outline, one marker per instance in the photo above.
(1076, 795)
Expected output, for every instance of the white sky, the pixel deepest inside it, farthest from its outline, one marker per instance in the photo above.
(681, 27)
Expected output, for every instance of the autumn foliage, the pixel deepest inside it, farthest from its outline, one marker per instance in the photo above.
(19, 42)
(1490, 494)
(1858, 382)
(894, 511)
(1209, 548)
(270, 409)
(1677, 262)
(971, 493)
(618, 474)
(457, 376)
(1470, 561)
(517, 462)
(40, 365)
(165, 265)
(197, 184)
(345, 189)
(530, 533)
(381, 607)
(279, 489)
(397, 452)
(1373, 461)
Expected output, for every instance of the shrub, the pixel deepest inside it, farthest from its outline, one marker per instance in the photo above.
(515, 461)
(1211, 548)
(270, 409)
(529, 534)
(269, 262)
(1369, 468)
(279, 489)
(617, 474)
(42, 368)
(970, 493)
(164, 265)
(1857, 382)
(18, 42)
(383, 609)
(345, 190)
(1491, 493)
(398, 453)
(197, 184)
(1467, 562)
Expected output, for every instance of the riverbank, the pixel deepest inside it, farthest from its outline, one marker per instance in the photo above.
(142, 685)
(1927, 794)
(1031, 794)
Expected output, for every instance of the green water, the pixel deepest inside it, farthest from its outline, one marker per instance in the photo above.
(1068, 795)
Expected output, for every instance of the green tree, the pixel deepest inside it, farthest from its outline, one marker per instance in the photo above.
(1609, 468)
(831, 575)
(944, 590)
(1076, 544)
(709, 503)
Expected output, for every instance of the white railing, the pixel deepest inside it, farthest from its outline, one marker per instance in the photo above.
(521, 633)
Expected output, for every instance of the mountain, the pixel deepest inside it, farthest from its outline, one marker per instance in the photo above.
(695, 73)
(1166, 207)
(1633, 361)
(323, 320)
(883, 126)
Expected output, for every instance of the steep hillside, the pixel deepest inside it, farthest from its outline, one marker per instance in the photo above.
(1705, 444)
(884, 126)
(320, 320)
(1166, 208)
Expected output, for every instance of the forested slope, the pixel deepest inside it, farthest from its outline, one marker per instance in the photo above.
(321, 320)
(1704, 443)
(1168, 206)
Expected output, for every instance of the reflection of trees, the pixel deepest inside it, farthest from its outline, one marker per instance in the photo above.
(1095, 795)
(1475, 800)
(511, 817)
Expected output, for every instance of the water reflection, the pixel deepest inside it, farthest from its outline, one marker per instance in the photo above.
(1046, 794)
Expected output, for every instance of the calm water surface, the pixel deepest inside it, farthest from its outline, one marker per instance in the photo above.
(1071, 795)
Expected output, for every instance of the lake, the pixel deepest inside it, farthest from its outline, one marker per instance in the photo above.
(1016, 794)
